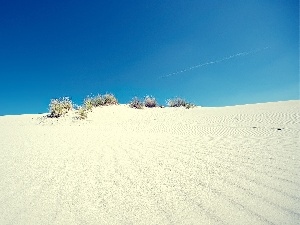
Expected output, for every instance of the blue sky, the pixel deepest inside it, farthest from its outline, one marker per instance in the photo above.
(51, 49)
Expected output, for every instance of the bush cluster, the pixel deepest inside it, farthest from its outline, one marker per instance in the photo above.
(100, 100)
(148, 101)
(61, 106)
(179, 102)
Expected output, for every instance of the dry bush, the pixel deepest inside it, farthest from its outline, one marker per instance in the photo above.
(178, 102)
(88, 103)
(150, 102)
(98, 101)
(136, 103)
(82, 113)
(190, 105)
(110, 99)
(59, 107)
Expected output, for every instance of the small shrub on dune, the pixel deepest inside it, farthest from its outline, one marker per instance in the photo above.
(178, 102)
(98, 101)
(136, 103)
(88, 103)
(190, 105)
(59, 107)
(110, 99)
(150, 102)
(82, 113)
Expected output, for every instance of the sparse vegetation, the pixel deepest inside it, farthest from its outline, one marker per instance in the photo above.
(178, 102)
(59, 107)
(82, 112)
(98, 101)
(150, 102)
(88, 103)
(190, 105)
(110, 99)
(136, 103)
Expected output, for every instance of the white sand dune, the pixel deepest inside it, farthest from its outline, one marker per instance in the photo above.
(227, 165)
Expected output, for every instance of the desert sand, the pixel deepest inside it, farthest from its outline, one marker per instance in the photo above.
(205, 165)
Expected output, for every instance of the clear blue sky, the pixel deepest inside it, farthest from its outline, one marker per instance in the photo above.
(51, 49)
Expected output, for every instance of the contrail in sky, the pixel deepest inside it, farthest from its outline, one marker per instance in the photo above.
(214, 62)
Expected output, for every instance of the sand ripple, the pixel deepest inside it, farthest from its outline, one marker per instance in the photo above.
(230, 165)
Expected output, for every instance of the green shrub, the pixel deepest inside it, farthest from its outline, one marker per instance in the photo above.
(150, 102)
(136, 103)
(59, 107)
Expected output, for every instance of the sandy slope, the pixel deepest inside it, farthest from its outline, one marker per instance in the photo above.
(230, 165)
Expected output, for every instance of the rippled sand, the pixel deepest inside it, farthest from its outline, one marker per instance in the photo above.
(227, 165)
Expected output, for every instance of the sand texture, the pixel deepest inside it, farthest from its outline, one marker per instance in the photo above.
(227, 165)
